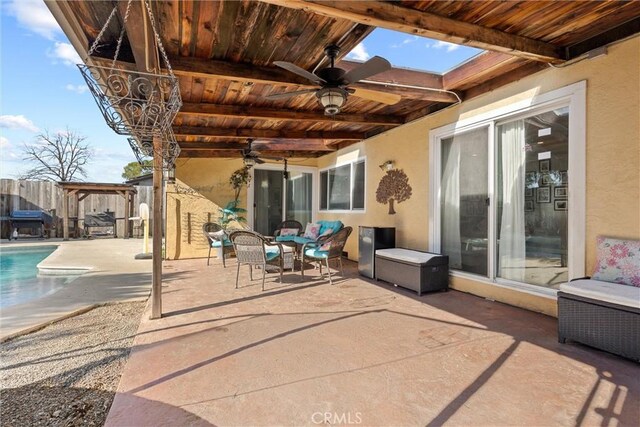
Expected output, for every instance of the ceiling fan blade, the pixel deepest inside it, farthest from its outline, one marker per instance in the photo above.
(370, 68)
(299, 71)
(289, 94)
(374, 95)
(258, 161)
(273, 158)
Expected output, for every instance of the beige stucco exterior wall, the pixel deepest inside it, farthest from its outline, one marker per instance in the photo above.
(201, 189)
(612, 162)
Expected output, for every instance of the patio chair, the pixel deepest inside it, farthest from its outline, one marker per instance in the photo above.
(290, 223)
(328, 249)
(253, 249)
(217, 238)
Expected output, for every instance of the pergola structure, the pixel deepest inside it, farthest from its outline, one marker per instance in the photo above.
(82, 190)
(223, 53)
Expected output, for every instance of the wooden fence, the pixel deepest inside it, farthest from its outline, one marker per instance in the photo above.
(18, 194)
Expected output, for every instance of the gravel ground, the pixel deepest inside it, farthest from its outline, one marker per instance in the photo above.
(67, 373)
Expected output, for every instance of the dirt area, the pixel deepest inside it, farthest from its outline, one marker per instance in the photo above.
(67, 373)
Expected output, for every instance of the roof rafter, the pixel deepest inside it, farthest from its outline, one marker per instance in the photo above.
(248, 111)
(394, 17)
(265, 133)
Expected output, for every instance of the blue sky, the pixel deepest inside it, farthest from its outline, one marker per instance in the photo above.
(42, 90)
(405, 50)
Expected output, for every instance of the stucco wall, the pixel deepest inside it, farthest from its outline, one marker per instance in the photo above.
(612, 162)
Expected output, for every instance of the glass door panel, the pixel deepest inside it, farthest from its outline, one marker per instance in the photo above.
(531, 188)
(268, 187)
(464, 220)
(299, 197)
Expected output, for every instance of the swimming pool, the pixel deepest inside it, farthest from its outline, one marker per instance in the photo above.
(19, 279)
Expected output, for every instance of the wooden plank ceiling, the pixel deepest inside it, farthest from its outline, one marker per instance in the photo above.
(223, 54)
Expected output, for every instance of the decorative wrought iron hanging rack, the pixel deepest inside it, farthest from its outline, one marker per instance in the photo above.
(141, 105)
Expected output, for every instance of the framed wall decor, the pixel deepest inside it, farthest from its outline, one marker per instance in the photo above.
(546, 179)
(543, 195)
(564, 178)
(544, 165)
(528, 205)
(528, 192)
(560, 205)
(560, 192)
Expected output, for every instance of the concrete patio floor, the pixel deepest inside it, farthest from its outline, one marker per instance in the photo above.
(358, 352)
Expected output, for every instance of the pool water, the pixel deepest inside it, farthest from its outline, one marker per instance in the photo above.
(19, 279)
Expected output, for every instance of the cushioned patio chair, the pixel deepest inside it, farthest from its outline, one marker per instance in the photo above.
(254, 250)
(329, 249)
(327, 228)
(288, 240)
(217, 238)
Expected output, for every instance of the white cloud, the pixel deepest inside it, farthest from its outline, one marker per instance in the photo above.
(17, 122)
(359, 53)
(405, 42)
(4, 142)
(79, 89)
(9, 152)
(450, 47)
(35, 16)
(65, 52)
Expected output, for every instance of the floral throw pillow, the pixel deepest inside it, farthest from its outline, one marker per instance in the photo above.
(289, 231)
(618, 261)
(312, 231)
(326, 246)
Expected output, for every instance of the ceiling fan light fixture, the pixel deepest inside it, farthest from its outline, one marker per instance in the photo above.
(332, 99)
(249, 161)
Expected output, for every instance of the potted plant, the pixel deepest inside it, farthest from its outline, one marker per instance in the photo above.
(232, 211)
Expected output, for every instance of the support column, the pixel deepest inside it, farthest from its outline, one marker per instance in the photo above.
(156, 287)
(76, 229)
(65, 214)
(126, 214)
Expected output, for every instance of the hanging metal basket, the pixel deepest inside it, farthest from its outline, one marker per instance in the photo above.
(134, 103)
(143, 149)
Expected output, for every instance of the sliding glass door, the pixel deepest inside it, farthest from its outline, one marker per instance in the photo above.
(276, 198)
(463, 201)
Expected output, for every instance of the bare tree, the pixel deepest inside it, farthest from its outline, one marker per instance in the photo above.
(394, 186)
(57, 157)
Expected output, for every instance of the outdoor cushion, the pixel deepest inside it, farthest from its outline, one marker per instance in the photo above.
(618, 261)
(289, 232)
(316, 253)
(335, 226)
(604, 291)
(301, 240)
(273, 251)
(217, 243)
(286, 238)
(312, 231)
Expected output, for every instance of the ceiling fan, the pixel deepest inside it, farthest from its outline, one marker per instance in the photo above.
(252, 157)
(334, 82)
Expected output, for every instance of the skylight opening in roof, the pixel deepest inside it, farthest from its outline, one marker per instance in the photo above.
(410, 51)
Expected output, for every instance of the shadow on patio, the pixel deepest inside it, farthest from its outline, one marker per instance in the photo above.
(359, 352)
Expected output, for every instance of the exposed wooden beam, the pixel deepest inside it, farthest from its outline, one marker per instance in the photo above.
(216, 69)
(620, 32)
(265, 133)
(140, 35)
(515, 75)
(394, 17)
(474, 69)
(258, 146)
(248, 111)
(237, 154)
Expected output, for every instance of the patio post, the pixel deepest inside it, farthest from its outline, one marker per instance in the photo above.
(126, 214)
(156, 287)
(65, 214)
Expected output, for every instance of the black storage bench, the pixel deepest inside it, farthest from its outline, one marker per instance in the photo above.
(415, 270)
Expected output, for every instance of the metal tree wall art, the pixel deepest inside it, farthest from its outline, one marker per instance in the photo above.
(393, 187)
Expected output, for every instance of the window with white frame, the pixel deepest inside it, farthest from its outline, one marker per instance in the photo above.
(342, 187)
(507, 195)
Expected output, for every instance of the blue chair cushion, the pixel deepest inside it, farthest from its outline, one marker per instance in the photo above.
(217, 243)
(285, 238)
(335, 226)
(316, 253)
(272, 252)
(302, 240)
